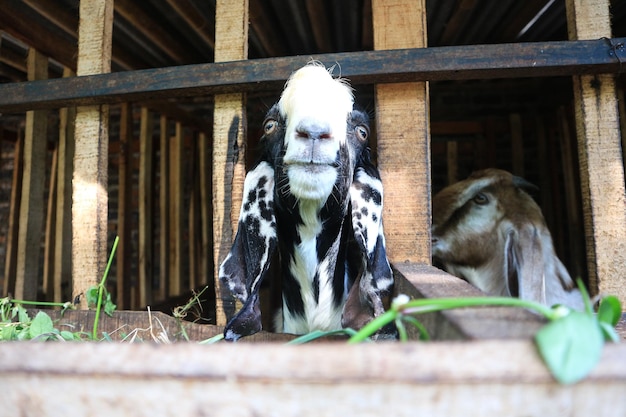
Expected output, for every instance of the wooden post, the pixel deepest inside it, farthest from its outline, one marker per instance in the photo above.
(517, 144)
(206, 209)
(89, 194)
(50, 233)
(403, 148)
(63, 230)
(600, 158)
(231, 43)
(452, 157)
(10, 264)
(176, 212)
(164, 202)
(31, 206)
(146, 185)
(124, 208)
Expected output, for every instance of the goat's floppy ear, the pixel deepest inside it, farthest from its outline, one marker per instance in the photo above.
(524, 267)
(247, 263)
(365, 299)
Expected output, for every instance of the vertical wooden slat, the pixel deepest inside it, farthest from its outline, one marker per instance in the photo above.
(517, 144)
(10, 264)
(206, 205)
(572, 213)
(599, 149)
(50, 233)
(63, 231)
(31, 206)
(452, 156)
(403, 148)
(231, 43)
(146, 185)
(124, 207)
(89, 194)
(176, 212)
(164, 211)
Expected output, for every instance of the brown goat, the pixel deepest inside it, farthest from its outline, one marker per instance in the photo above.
(489, 231)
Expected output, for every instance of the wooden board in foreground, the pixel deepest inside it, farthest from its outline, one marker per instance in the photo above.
(479, 378)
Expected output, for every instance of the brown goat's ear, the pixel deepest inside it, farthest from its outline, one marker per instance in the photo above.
(248, 261)
(524, 264)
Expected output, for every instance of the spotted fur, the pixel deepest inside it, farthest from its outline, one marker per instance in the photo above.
(316, 198)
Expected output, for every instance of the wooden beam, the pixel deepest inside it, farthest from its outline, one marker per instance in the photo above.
(89, 194)
(146, 208)
(176, 203)
(517, 144)
(403, 148)
(381, 66)
(600, 157)
(63, 235)
(229, 126)
(206, 209)
(164, 210)
(125, 208)
(31, 207)
(50, 229)
(10, 264)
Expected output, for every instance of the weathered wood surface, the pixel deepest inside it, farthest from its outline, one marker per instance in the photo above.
(229, 144)
(146, 208)
(27, 272)
(403, 148)
(424, 281)
(600, 157)
(389, 66)
(479, 378)
(90, 180)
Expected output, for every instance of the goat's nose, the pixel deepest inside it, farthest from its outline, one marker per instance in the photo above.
(313, 131)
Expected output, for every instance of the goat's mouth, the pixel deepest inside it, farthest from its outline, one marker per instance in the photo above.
(312, 167)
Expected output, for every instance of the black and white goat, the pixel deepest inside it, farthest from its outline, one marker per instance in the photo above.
(489, 231)
(316, 197)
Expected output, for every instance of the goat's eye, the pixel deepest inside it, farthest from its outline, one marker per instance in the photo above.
(362, 132)
(481, 199)
(270, 126)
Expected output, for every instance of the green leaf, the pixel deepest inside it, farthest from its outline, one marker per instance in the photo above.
(109, 307)
(41, 324)
(570, 346)
(92, 297)
(609, 332)
(610, 310)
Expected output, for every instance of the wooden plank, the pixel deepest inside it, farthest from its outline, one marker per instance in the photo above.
(517, 144)
(366, 67)
(452, 161)
(50, 229)
(176, 188)
(206, 210)
(571, 195)
(146, 209)
(125, 208)
(164, 208)
(403, 149)
(63, 246)
(472, 379)
(32, 197)
(229, 133)
(89, 193)
(10, 264)
(600, 157)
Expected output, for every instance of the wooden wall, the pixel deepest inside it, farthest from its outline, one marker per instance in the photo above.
(174, 228)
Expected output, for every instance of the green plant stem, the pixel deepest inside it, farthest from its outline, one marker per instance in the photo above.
(38, 303)
(94, 333)
(437, 304)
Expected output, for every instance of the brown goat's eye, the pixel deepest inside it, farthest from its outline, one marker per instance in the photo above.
(362, 132)
(481, 199)
(270, 126)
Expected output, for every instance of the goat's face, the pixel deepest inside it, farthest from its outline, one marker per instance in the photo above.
(488, 230)
(315, 108)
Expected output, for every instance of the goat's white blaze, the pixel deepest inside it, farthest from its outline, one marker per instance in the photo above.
(315, 106)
